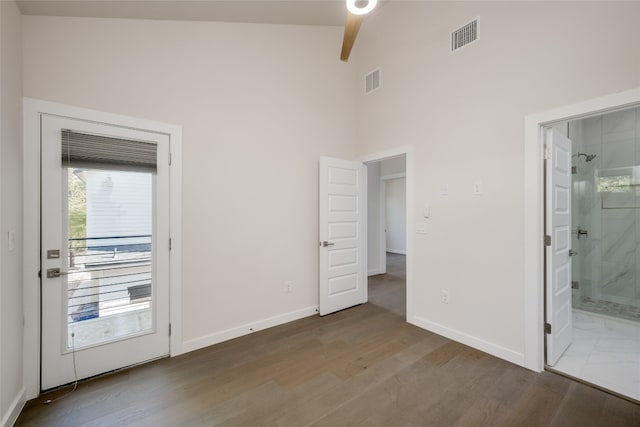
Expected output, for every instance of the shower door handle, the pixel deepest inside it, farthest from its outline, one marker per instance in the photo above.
(572, 252)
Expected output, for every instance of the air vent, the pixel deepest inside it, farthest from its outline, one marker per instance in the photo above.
(464, 35)
(372, 81)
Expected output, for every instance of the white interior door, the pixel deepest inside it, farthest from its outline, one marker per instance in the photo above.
(105, 228)
(558, 253)
(342, 234)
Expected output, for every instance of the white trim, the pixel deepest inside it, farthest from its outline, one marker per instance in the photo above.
(246, 329)
(482, 345)
(365, 233)
(175, 255)
(396, 251)
(13, 412)
(33, 108)
(407, 151)
(533, 205)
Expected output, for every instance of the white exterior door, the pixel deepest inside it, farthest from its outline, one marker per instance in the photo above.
(558, 253)
(105, 229)
(342, 234)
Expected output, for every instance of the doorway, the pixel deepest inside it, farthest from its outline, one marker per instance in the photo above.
(602, 278)
(350, 229)
(387, 233)
(97, 302)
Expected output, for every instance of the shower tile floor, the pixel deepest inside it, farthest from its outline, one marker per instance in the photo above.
(604, 352)
(623, 311)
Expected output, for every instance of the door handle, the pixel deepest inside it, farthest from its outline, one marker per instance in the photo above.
(572, 252)
(52, 273)
(325, 244)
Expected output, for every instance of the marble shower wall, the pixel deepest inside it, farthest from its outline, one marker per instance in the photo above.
(606, 203)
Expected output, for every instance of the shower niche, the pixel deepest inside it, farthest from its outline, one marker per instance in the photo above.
(606, 214)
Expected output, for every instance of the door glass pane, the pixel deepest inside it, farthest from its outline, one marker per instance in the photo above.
(109, 255)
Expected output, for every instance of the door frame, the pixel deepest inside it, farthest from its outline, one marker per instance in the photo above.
(33, 109)
(534, 209)
(407, 151)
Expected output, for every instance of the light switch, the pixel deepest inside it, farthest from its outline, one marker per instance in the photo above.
(11, 237)
(421, 227)
(427, 211)
(444, 190)
(477, 188)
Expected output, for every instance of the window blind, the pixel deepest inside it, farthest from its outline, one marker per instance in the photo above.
(86, 150)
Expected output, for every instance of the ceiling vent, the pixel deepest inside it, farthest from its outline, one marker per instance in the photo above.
(372, 81)
(464, 35)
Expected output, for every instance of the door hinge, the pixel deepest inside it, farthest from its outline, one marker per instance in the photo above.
(169, 243)
(575, 284)
(547, 152)
(547, 328)
(547, 240)
(169, 329)
(169, 158)
(39, 274)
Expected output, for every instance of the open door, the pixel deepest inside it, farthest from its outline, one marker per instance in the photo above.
(558, 249)
(342, 234)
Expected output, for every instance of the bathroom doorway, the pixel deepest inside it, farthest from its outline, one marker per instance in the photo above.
(604, 251)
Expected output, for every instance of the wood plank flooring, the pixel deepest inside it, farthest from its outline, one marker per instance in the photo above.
(364, 366)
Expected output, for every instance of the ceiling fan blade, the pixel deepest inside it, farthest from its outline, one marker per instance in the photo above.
(351, 28)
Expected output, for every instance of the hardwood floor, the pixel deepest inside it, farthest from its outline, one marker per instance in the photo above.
(362, 366)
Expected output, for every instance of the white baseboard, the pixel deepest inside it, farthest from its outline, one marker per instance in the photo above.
(471, 341)
(397, 251)
(218, 337)
(373, 272)
(10, 418)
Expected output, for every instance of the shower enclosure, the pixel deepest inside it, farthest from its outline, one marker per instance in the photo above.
(606, 214)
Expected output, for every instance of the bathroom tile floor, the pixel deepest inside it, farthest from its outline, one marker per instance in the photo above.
(604, 352)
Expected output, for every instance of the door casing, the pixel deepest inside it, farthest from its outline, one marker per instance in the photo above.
(33, 109)
(534, 209)
(407, 151)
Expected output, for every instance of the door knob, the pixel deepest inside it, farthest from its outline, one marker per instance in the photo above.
(572, 252)
(52, 273)
(325, 244)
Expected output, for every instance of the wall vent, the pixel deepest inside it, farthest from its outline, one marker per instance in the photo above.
(464, 35)
(372, 81)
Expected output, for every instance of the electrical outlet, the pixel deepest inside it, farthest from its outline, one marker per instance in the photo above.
(288, 286)
(444, 297)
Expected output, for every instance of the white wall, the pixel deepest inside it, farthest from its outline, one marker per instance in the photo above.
(395, 218)
(464, 115)
(259, 105)
(11, 312)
